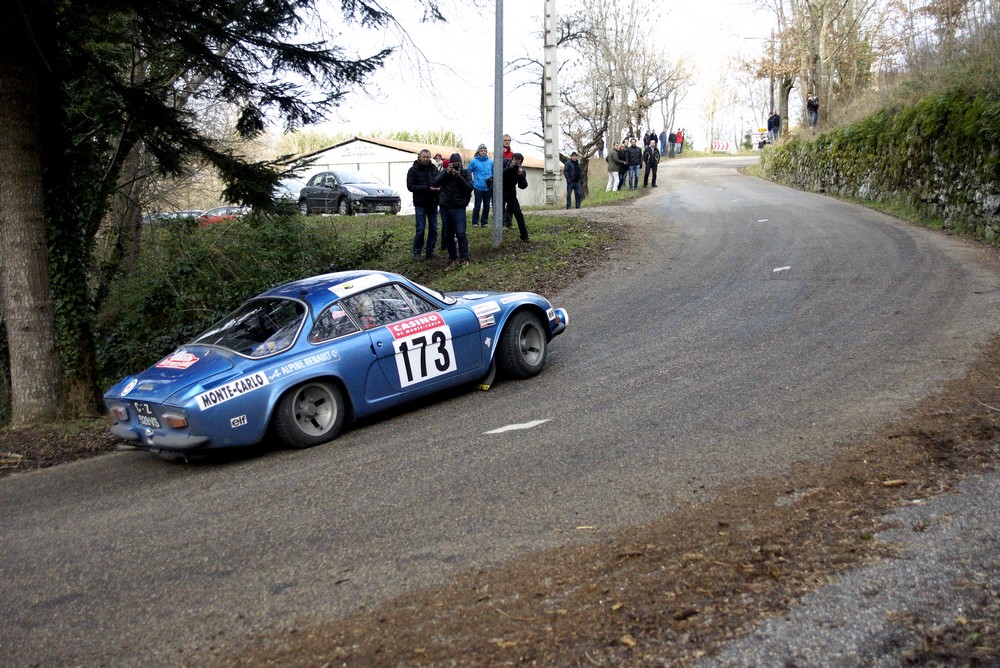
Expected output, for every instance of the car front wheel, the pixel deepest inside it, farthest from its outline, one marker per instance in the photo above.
(304, 208)
(522, 346)
(343, 208)
(310, 414)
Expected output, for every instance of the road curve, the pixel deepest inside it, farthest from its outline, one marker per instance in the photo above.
(751, 327)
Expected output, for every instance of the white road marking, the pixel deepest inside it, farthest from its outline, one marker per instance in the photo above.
(515, 427)
(763, 220)
(778, 269)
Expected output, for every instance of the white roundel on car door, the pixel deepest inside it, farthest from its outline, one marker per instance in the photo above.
(423, 349)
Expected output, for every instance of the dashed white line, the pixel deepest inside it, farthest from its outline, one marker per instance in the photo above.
(780, 269)
(516, 427)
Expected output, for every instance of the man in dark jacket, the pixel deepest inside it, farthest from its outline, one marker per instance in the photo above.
(420, 182)
(514, 178)
(622, 166)
(574, 178)
(456, 191)
(633, 158)
(651, 156)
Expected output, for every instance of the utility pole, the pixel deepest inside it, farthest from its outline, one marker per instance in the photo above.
(498, 131)
(550, 106)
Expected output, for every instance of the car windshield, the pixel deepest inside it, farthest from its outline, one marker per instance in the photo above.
(437, 295)
(351, 176)
(259, 328)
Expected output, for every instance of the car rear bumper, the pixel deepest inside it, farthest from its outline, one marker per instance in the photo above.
(143, 440)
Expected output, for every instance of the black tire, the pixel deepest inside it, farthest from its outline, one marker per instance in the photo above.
(304, 208)
(522, 347)
(343, 208)
(309, 414)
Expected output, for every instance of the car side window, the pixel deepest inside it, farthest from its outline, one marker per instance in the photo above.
(419, 304)
(332, 323)
(379, 306)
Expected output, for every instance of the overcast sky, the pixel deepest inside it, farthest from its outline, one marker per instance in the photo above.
(444, 78)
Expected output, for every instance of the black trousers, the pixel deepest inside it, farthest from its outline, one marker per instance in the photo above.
(512, 209)
(650, 167)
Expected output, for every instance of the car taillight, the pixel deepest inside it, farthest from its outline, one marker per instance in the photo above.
(175, 421)
(119, 412)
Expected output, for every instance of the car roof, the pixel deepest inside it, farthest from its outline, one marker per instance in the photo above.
(319, 290)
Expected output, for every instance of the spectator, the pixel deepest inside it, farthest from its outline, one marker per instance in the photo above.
(633, 158)
(481, 168)
(599, 145)
(420, 182)
(663, 141)
(507, 152)
(574, 178)
(773, 127)
(514, 178)
(622, 165)
(672, 140)
(439, 161)
(812, 108)
(456, 191)
(680, 140)
(614, 167)
(651, 156)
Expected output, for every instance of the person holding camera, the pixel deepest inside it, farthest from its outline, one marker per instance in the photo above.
(514, 178)
(455, 183)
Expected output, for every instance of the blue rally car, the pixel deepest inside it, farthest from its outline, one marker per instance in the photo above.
(301, 358)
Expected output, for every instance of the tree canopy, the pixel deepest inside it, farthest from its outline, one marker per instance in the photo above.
(90, 84)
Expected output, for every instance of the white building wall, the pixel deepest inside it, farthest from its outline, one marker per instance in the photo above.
(390, 165)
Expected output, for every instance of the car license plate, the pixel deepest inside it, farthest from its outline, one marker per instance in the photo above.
(145, 414)
(383, 207)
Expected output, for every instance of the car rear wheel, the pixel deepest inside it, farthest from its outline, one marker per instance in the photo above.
(343, 208)
(522, 347)
(304, 207)
(309, 414)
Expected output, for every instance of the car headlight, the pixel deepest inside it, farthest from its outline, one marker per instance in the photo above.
(357, 192)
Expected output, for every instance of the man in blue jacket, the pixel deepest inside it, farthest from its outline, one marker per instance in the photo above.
(481, 168)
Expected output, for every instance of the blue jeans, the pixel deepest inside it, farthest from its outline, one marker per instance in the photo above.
(422, 214)
(633, 177)
(483, 197)
(576, 188)
(454, 222)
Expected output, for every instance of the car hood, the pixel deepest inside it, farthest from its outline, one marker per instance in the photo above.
(181, 369)
(376, 189)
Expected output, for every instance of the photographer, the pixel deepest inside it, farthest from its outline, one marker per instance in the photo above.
(455, 183)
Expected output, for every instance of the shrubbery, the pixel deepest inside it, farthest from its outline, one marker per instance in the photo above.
(190, 277)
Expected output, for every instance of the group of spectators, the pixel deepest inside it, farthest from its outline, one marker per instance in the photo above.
(626, 158)
(447, 186)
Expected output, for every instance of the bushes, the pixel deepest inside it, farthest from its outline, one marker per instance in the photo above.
(939, 156)
(189, 277)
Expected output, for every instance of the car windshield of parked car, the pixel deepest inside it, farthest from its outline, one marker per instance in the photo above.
(259, 328)
(348, 177)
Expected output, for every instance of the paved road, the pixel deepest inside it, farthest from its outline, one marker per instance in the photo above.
(755, 327)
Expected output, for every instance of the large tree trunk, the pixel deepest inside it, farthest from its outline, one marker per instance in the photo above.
(35, 369)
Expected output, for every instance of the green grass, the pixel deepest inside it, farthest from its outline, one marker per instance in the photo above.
(557, 244)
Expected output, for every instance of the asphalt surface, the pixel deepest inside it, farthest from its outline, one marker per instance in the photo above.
(754, 327)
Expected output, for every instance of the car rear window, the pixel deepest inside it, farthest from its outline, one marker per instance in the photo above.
(259, 328)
